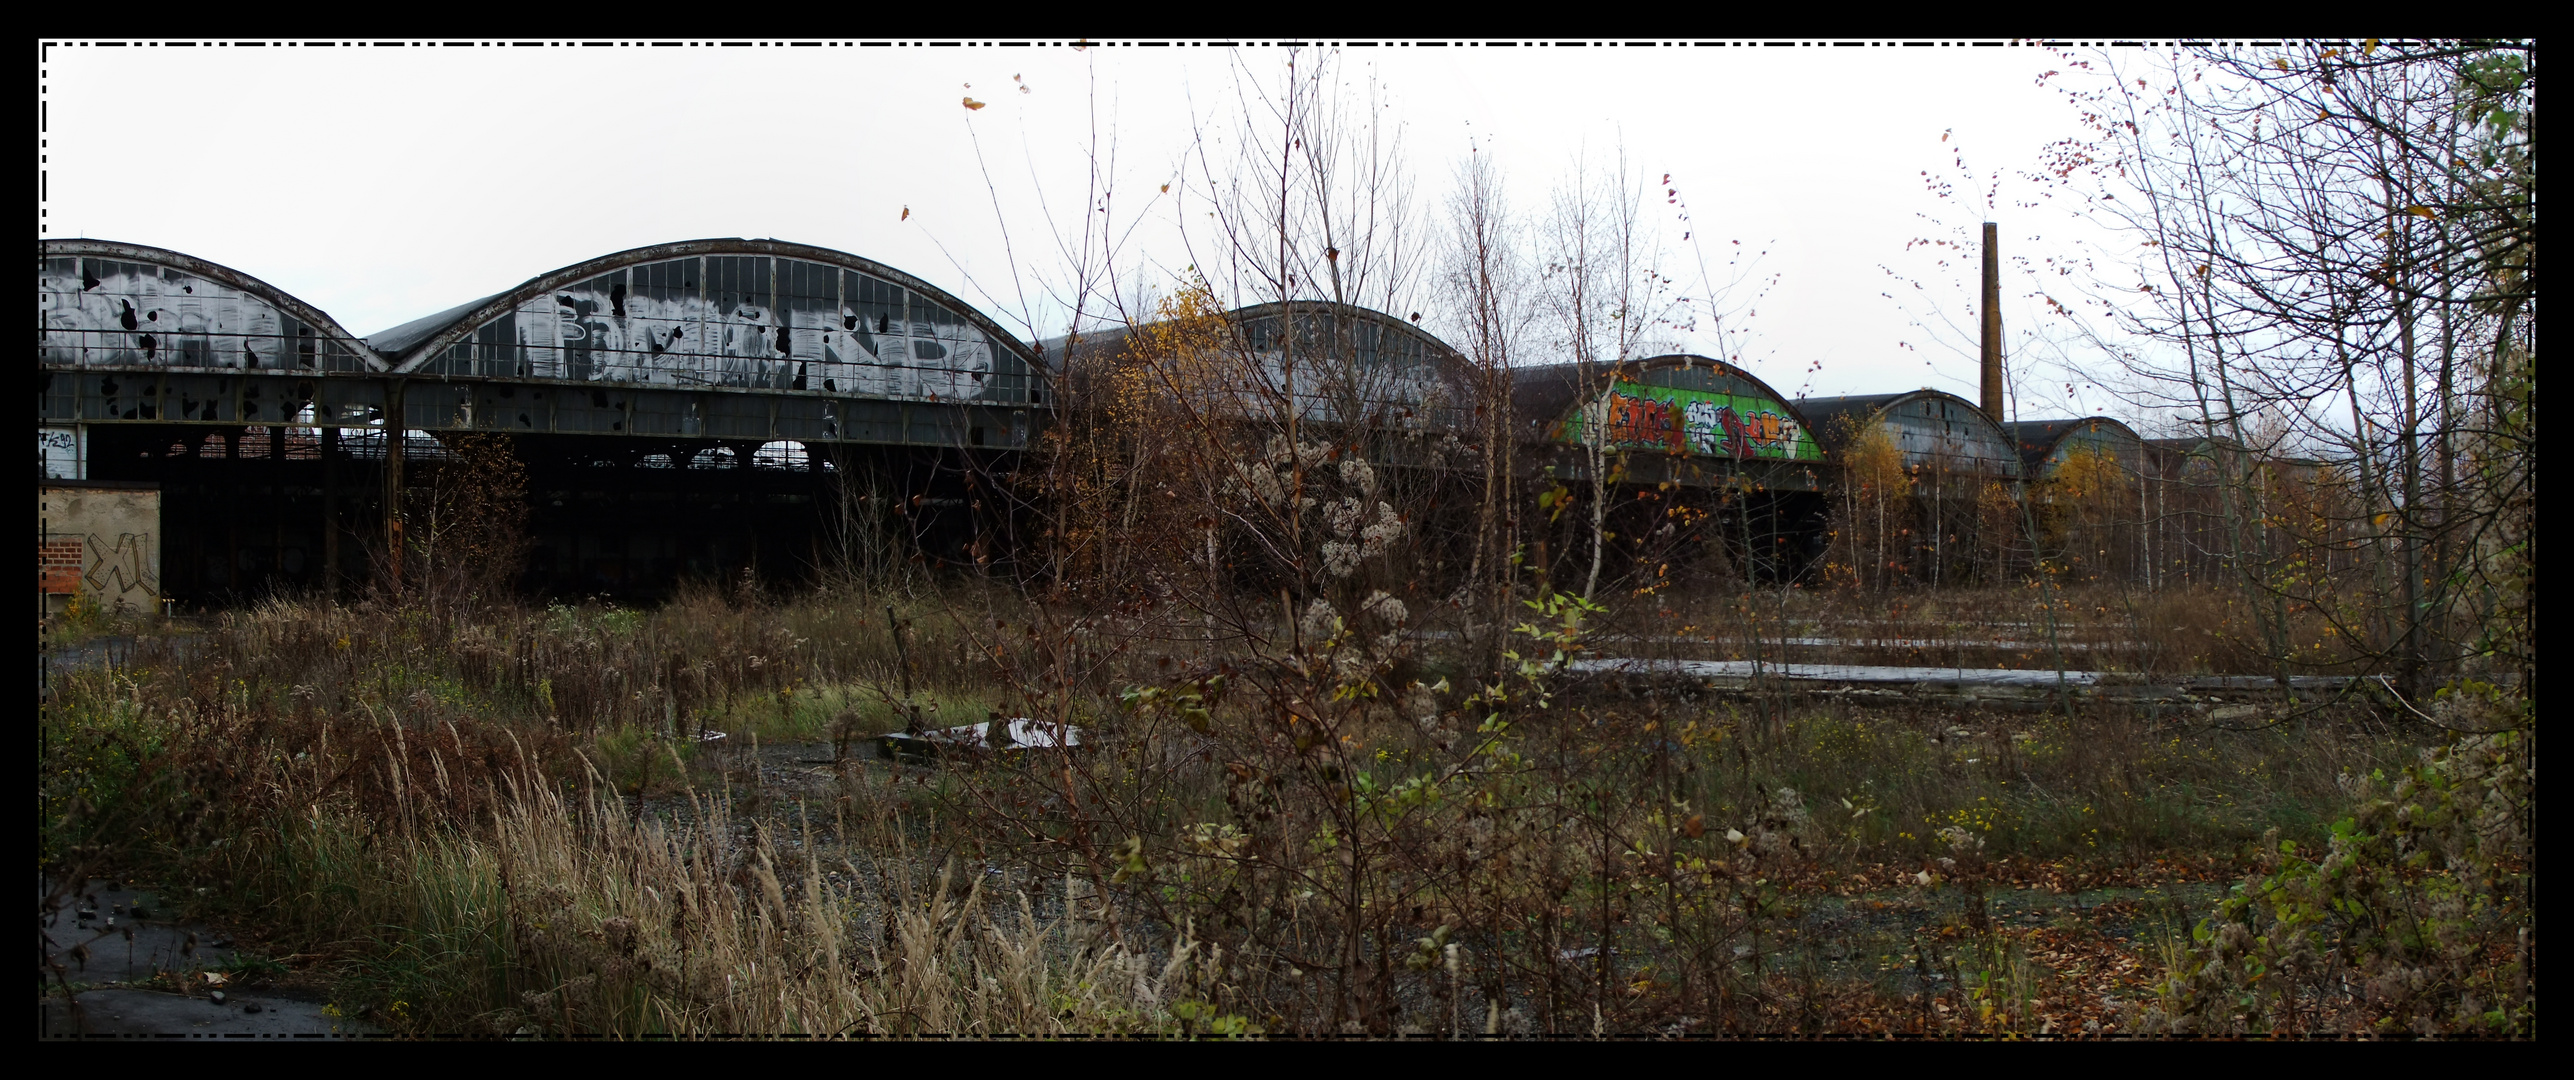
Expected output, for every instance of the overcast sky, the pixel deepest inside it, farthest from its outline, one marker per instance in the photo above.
(384, 184)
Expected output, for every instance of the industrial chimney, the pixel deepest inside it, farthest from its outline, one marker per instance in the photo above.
(1992, 326)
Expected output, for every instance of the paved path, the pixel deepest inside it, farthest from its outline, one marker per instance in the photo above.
(1961, 677)
(152, 984)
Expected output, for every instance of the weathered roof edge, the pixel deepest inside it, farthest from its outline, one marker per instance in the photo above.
(1109, 335)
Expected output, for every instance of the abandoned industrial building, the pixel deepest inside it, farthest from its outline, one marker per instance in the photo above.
(715, 408)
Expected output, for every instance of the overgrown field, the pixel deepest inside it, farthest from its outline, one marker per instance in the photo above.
(502, 819)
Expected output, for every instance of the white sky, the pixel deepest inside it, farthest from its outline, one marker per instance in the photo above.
(384, 184)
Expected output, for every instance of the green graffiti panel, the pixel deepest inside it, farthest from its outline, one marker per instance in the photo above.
(1708, 423)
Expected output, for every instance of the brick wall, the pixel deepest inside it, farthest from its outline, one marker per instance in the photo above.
(59, 564)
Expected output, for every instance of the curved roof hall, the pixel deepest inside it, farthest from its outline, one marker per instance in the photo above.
(1931, 427)
(1099, 342)
(1683, 401)
(2044, 444)
(109, 304)
(1393, 363)
(727, 312)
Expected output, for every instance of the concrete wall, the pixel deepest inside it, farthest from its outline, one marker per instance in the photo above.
(101, 542)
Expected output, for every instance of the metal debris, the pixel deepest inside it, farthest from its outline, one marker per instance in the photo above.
(996, 736)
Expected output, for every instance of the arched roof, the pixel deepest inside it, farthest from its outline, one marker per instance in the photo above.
(104, 303)
(1395, 364)
(1931, 427)
(2045, 443)
(1105, 340)
(1681, 401)
(726, 312)
(1429, 343)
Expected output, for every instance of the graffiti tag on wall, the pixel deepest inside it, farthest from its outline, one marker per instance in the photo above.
(122, 570)
(113, 572)
(1634, 416)
(61, 453)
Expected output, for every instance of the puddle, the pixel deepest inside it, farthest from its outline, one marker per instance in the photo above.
(131, 972)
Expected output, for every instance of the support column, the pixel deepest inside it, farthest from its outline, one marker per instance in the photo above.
(280, 501)
(234, 491)
(330, 505)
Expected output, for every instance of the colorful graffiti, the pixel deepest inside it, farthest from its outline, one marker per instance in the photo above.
(1636, 417)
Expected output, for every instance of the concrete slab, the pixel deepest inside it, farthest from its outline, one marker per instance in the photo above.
(1838, 673)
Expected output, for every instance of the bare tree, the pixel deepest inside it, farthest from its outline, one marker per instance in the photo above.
(2321, 237)
(1485, 292)
(1605, 299)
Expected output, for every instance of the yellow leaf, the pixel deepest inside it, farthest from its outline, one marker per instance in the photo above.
(2421, 211)
(970, 103)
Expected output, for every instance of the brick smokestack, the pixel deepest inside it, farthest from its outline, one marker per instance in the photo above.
(1992, 326)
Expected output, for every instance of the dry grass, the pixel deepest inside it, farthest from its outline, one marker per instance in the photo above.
(471, 879)
(450, 806)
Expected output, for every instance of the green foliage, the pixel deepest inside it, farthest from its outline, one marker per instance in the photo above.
(1560, 634)
(635, 761)
(2491, 89)
(97, 744)
(2418, 916)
